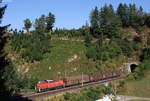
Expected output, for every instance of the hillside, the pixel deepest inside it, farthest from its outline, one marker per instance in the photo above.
(139, 88)
(66, 58)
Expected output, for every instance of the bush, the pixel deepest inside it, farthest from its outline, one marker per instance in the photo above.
(91, 52)
(15, 81)
(126, 47)
(88, 39)
(69, 96)
(103, 52)
(90, 94)
(32, 47)
(145, 54)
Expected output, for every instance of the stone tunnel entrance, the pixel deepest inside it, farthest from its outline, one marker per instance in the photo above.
(133, 67)
(130, 67)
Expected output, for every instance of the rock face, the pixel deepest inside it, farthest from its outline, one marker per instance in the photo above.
(72, 58)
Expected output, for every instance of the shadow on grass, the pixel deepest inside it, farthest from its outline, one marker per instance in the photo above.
(18, 97)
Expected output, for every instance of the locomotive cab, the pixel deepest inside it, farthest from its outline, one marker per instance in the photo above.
(46, 85)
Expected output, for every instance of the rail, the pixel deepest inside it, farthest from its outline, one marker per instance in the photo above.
(42, 95)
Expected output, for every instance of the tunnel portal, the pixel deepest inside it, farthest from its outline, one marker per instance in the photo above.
(133, 67)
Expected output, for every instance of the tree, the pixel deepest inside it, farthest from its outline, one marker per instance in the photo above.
(88, 39)
(133, 15)
(106, 15)
(27, 24)
(3, 61)
(123, 13)
(40, 24)
(140, 17)
(94, 21)
(94, 18)
(110, 22)
(50, 20)
(147, 21)
(44, 23)
(145, 54)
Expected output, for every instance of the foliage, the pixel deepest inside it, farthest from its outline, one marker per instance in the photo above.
(126, 47)
(50, 20)
(90, 94)
(122, 11)
(88, 39)
(145, 54)
(32, 47)
(103, 51)
(142, 85)
(44, 23)
(144, 65)
(94, 18)
(147, 21)
(70, 32)
(130, 15)
(4, 92)
(40, 24)
(104, 22)
(110, 22)
(27, 24)
(148, 41)
(69, 96)
(16, 81)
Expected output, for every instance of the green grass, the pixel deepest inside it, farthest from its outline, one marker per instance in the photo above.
(57, 60)
(55, 64)
(139, 100)
(140, 88)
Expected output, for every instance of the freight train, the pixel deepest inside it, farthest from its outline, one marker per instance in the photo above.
(70, 81)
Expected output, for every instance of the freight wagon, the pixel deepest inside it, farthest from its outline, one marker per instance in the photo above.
(76, 80)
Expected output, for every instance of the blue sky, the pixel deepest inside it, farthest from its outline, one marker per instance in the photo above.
(68, 13)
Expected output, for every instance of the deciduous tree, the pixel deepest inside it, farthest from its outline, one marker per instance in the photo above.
(50, 20)
(27, 24)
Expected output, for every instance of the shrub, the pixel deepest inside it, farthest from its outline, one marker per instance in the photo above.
(69, 96)
(32, 47)
(103, 52)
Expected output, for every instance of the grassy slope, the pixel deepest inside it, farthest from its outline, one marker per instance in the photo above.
(58, 61)
(139, 88)
(139, 100)
(55, 64)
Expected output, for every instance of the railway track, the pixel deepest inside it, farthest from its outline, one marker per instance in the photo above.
(42, 95)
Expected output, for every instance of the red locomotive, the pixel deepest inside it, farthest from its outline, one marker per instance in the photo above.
(49, 85)
(70, 81)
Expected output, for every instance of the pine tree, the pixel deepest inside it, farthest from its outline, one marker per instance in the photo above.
(95, 22)
(94, 18)
(132, 15)
(3, 61)
(147, 21)
(110, 22)
(123, 13)
(140, 17)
